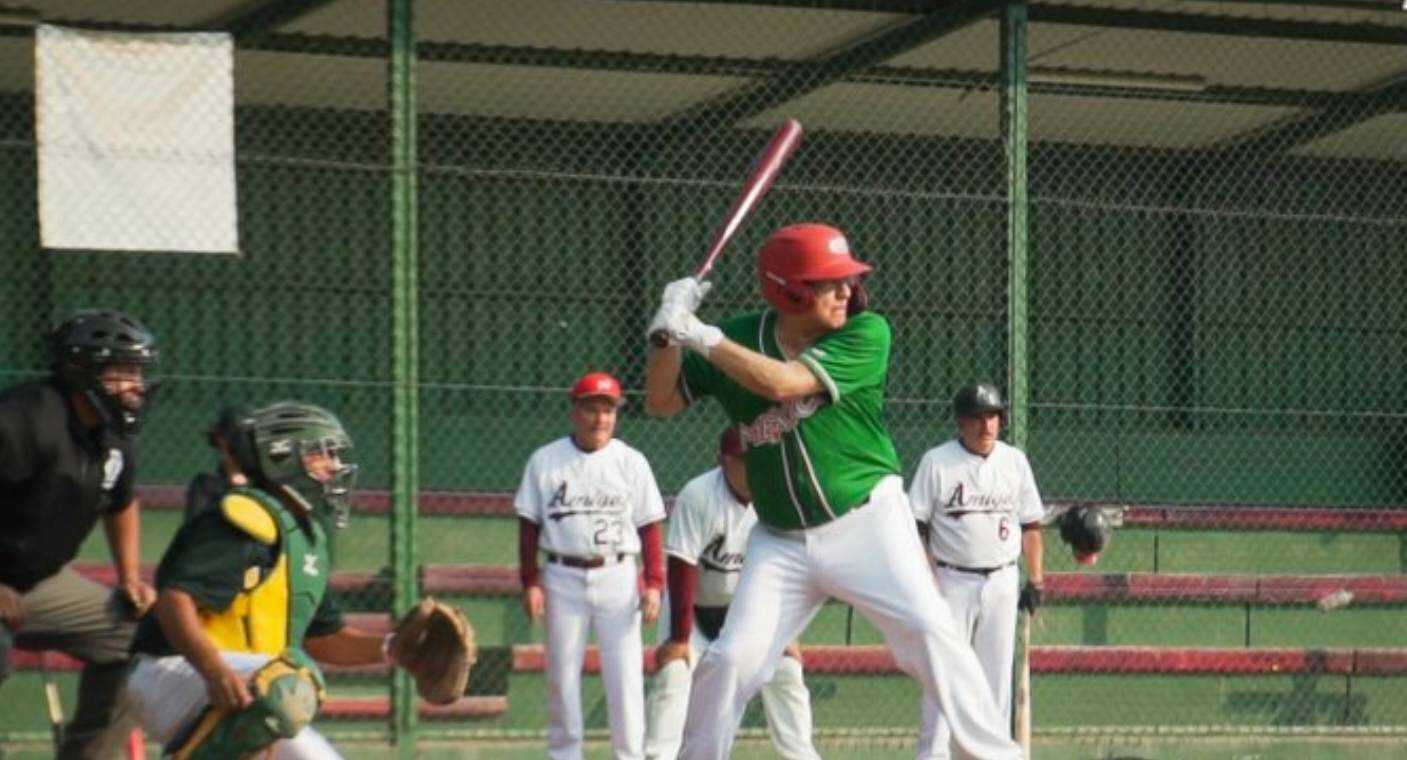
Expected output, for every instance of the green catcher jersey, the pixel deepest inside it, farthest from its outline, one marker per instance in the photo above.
(252, 595)
(809, 460)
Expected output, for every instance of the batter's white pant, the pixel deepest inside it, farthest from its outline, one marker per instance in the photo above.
(871, 558)
(607, 600)
(985, 608)
(168, 695)
(785, 700)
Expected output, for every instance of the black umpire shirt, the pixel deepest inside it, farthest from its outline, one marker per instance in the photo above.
(56, 479)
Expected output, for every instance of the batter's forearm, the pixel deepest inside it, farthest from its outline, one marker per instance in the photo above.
(767, 377)
(124, 530)
(662, 396)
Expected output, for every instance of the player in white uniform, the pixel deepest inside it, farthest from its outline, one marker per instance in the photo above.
(708, 532)
(590, 503)
(976, 501)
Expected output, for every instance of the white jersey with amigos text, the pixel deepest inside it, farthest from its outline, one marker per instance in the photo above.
(975, 506)
(589, 504)
(709, 528)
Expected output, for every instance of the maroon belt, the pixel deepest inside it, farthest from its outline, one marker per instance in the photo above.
(973, 570)
(586, 563)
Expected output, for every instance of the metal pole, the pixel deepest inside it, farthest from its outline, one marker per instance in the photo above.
(405, 475)
(1013, 125)
(1013, 128)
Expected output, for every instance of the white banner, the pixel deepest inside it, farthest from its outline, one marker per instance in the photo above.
(135, 134)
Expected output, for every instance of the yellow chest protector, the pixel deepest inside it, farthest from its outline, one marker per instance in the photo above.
(273, 609)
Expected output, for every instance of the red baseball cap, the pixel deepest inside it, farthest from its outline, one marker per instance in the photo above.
(594, 384)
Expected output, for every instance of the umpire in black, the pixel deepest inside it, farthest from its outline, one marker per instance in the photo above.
(66, 460)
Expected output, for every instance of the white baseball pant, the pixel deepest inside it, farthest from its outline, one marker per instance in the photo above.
(872, 558)
(985, 608)
(168, 695)
(785, 700)
(607, 600)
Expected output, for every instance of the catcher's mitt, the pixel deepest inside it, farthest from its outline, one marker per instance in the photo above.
(435, 642)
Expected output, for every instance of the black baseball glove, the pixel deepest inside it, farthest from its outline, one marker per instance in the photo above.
(1032, 597)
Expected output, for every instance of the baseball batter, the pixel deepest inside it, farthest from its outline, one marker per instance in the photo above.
(708, 532)
(589, 502)
(805, 381)
(226, 659)
(976, 502)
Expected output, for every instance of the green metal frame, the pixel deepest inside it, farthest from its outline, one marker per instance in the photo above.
(1014, 134)
(405, 351)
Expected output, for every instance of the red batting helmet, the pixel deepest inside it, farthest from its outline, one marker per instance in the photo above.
(596, 384)
(800, 253)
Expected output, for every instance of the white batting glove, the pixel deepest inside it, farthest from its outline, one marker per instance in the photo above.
(659, 325)
(688, 293)
(687, 330)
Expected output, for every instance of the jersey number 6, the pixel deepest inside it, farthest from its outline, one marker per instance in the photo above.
(1004, 528)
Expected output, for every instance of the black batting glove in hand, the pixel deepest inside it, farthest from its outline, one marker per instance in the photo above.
(1032, 596)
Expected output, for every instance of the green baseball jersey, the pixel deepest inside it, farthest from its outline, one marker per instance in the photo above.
(809, 460)
(227, 571)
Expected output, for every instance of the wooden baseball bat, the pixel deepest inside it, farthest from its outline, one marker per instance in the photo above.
(764, 170)
(1022, 696)
(51, 698)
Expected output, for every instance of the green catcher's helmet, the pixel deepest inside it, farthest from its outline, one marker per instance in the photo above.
(270, 442)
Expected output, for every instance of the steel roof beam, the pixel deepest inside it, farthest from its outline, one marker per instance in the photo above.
(859, 6)
(1329, 117)
(881, 46)
(1235, 26)
(253, 20)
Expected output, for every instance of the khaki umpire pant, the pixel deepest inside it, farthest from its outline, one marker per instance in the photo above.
(85, 620)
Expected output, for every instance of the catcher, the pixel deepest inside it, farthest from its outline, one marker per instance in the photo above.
(227, 659)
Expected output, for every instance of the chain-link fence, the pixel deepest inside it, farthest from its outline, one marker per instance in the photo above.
(1171, 232)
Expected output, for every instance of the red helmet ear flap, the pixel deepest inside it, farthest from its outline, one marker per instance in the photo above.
(785, 296)
(801, 296)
